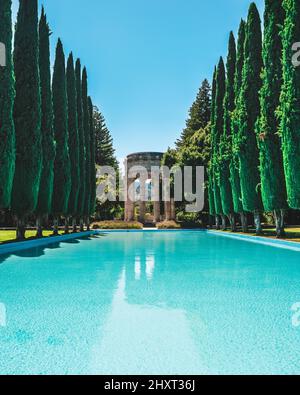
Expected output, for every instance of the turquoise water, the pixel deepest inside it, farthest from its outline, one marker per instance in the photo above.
(150, 303)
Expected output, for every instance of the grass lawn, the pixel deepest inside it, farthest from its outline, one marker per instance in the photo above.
(292, 234)
(10, 235)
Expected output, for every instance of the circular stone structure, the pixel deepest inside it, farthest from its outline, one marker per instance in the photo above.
(146, 160)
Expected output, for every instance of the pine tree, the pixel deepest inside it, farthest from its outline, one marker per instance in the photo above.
(27, 115)
(93, 157)
(211, 198)
(7, 95)
(73, 139)
(199, 113)
(48, 144)
(273, 188)
(217, 132)
(105, 152)
(290, 104)
(62, 167)
(234, 163)
(225, 151)
(86, 128)
(81, 140)
(249, 110)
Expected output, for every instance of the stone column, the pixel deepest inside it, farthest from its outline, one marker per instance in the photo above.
(173, 212)
(157, 211)
(168, 211)
(142, 206)
(129, 204)
(143, 198)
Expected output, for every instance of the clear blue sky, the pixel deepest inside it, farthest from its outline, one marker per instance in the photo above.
(145, 59)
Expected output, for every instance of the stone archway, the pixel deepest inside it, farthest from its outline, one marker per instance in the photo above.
(147, 161)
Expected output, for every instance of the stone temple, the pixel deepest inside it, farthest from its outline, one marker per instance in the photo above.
(147, 161)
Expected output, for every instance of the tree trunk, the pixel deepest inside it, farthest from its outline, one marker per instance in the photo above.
(279, 220)
(231, 218)
(81, 225)
(67, 225)
(39, 228)
(257, 222)
(223, 222)
(74, 225)
(55, 226)
(244, 222)
(217, 222)
(87, 221)
(20, 234)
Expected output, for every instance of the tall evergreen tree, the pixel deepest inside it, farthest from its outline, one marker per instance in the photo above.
(81, 140)
(27, 114)
(226, 139)
(62, 167)
(93, 157)
(73, 140)
(211, 197)
(234, 162)
(7, 95)
(218, 128)
(105, 152)
(273, 188)
(249, 110)
(48, 144)
(86, 128)
(290, 104)
(199, 113)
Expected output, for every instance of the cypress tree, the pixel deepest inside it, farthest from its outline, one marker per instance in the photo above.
(234, 162)
(290, 104)
(86, 128)
(81, 140)
(27, 114)
(62, 170)
(93, 157)
(73, 140)
(7, 95)
(211, 198)
(273, 188)
(226, 138)
(218, 128)
(48, 144)
(249, 110)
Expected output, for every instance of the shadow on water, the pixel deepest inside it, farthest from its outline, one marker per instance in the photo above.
(36, 252)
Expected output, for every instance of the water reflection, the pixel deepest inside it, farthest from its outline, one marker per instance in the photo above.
(234, 298)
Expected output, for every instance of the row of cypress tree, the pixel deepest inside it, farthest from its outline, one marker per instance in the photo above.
(47, 141)
(255, 120)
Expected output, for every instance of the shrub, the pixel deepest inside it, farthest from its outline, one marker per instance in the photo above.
(168, 225)
(190, 220)
(121, 225)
